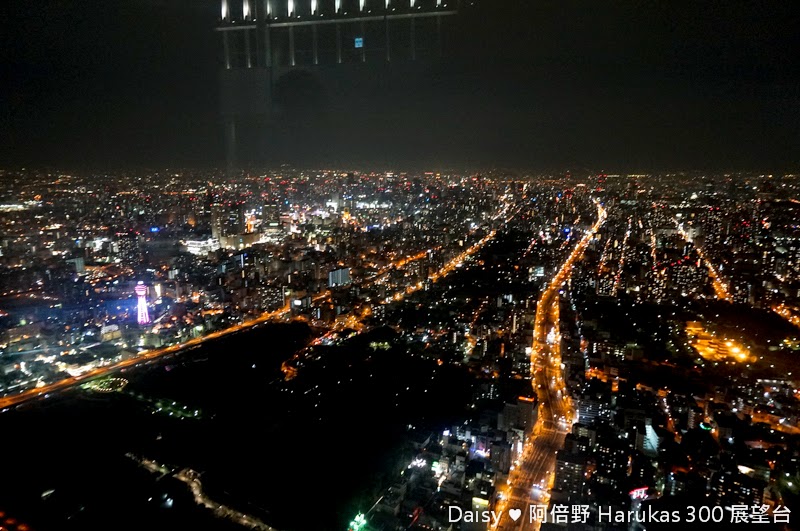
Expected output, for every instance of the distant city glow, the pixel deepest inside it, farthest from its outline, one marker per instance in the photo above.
(417, 228)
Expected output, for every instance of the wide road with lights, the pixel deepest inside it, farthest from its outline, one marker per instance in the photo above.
(530, 481)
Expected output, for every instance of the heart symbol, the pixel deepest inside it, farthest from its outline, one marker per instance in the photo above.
(515, 514)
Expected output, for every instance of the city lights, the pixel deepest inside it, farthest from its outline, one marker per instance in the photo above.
(358, 523)
(441, 265)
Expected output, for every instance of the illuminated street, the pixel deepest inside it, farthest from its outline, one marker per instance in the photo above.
(720, 287)
(529, 484)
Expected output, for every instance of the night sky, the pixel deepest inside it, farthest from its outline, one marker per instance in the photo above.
(618, 86)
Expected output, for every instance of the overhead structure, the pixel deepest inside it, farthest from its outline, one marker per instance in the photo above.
(262, 40)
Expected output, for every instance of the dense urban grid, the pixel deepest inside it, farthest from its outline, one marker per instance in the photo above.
(628, 341)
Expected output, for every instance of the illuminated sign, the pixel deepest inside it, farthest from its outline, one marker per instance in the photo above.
(359, 42)
(638, 494)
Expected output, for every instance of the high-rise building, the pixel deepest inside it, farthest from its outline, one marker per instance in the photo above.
(270, 215)
(217, 217)
(79, 263)
(339, 277)
(227, 219)
(594, 402)
(734, 488)
(128, 249)
(518, 414)
(611, 456)
(570, 473)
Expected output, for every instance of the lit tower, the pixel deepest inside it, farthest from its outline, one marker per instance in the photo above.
(142, 315)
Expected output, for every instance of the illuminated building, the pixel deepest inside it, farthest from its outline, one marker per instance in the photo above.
(570, 473)
(200, 247)
(520, 414)
(270, 215)
(594, 406)
(227, 220)
(339, 277)
(734, 488)
(128, 249)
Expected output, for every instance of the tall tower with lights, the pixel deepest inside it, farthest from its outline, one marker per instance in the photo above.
(142, 315)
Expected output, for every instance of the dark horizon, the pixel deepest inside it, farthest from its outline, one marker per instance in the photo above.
(574, 86)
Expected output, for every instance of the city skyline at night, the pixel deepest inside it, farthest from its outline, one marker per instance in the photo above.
(591, 336)
(399, 265)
